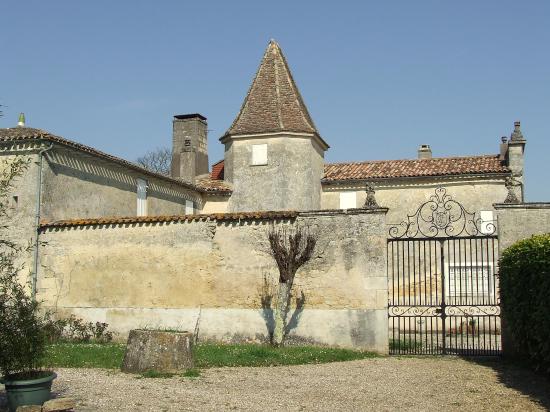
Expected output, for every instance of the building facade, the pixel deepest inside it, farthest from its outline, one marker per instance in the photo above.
(118, 243)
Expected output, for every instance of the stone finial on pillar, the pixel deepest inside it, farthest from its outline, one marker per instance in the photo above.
(510, 184)
(370, 201)
(516, 134)
(21, 121)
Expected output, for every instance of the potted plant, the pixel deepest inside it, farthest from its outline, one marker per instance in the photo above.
(22, 334)
(22, 344)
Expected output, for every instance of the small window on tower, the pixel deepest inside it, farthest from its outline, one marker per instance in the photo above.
(259, 154)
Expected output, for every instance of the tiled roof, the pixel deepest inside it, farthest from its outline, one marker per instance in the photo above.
(210, 185)
(174, 218)
(273, 102)
(441, 166)
(380, 169)
(28, 133)
(217, 170)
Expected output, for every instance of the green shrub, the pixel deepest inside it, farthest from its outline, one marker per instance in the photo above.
(22, 338)
(76, 330)
(525, 297)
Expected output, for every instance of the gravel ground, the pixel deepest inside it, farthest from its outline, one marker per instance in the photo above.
(420, 384)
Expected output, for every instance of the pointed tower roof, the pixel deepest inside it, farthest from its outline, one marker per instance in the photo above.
(273, 103)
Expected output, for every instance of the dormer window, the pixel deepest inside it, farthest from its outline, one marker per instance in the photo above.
(259, 154)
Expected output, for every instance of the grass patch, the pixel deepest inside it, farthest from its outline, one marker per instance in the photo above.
(85, 355)
(207, 355)
(404, 345)
(191, 373)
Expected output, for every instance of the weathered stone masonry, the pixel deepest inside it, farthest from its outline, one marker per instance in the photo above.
(209, 272)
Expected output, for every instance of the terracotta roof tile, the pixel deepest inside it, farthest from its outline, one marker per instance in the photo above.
(28, 133)
(217, 170)
(379, 169)
(414, 168)
(273, 102)
(214, 185)
(173, 218)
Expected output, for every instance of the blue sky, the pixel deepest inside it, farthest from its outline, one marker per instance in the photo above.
(379, 78)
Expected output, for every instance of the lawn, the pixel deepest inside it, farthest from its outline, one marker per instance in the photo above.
(207, 355)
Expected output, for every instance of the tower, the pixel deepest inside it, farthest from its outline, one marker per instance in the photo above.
(274, 155)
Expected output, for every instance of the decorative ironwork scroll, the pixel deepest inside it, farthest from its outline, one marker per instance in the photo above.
(441, 215)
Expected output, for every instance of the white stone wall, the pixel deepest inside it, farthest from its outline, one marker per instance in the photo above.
(81, 186)
(216, 272)
(521, 221)
(403, 197)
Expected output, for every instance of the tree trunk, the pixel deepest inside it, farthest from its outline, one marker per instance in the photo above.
(280, 313)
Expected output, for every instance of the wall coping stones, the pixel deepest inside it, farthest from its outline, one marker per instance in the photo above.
(530, 205)
(215, 217)
(172, 218)
(335, 212)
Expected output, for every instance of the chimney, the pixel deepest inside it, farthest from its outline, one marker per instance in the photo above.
(424, 151)
(515, 156)
(189, 147)
(21, 121)
(503, 148)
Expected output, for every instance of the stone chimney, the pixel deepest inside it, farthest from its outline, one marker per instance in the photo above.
(424, 151)
(503, 148)
(189, 147)
(514, 157)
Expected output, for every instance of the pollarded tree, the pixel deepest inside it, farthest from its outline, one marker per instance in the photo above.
(291, 249)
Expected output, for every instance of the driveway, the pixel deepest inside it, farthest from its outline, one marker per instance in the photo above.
(382, 384)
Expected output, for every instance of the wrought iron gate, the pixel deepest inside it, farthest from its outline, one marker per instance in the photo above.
(443, 283)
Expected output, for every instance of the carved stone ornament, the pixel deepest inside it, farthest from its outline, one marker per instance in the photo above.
(510, 183)
(370, 201)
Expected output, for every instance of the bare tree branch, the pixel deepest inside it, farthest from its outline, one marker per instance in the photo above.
(158, 160)
(290, 248)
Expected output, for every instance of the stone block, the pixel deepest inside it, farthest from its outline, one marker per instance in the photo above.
(161, 351)
(59, 405)
(29, 408)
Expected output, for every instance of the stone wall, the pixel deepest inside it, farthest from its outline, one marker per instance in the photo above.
(76, 185)
(403, 196)
(21, 204)
(215, 204)
(291, 179)
(517, 222)
(521, 221)
(214, 276)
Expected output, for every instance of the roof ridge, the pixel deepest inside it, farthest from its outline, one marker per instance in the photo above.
(37, 134)
(359, 162)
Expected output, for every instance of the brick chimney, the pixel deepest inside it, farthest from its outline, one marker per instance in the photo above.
(189, 147)
(424, 151)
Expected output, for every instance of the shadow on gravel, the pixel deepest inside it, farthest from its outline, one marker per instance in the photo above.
(520, 377)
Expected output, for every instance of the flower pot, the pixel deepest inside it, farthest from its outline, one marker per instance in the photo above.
(29, 391)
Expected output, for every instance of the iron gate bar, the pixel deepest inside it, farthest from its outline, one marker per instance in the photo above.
(459, 300)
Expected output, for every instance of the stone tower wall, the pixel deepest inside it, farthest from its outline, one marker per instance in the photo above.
(291, 179)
